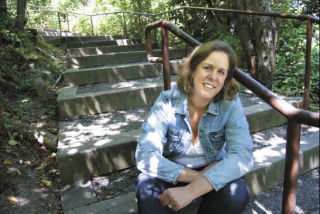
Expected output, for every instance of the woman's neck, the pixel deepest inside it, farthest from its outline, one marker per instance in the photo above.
(197, 104)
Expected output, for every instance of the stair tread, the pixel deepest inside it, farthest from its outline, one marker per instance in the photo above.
(115, 66)
(114, 87)
(270, 140)
(156, 51)
(99, 126)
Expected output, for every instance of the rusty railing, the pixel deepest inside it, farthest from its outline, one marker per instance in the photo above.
(295, 116)
(40, 9)
(309, 20)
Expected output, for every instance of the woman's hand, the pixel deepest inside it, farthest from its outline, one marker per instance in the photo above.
(176, 198)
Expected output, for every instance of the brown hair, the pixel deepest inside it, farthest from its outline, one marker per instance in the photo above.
(200, 53)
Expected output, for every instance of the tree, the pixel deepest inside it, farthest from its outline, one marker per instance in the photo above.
(21, 10)
(3, 9)
(258, 37)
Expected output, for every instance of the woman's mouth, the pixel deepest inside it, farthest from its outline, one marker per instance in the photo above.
(208, 86)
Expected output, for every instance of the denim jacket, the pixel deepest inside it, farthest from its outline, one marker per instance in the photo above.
(167, 133)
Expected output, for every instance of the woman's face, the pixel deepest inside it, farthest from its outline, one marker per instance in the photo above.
(209, 76)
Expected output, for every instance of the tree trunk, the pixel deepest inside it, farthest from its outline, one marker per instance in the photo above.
(21, 10)
(3, 9)
(258, 36)
(2, 127)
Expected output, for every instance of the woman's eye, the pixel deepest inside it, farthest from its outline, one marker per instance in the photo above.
(207, 68)
(221, 72)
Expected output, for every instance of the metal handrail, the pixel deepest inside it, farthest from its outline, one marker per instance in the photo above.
(295, 116)
(248, 12)
(42, 8)
(309, 20)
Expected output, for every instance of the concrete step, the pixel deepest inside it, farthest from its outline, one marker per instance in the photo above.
(74, 37)
(101, 42)
(47, 33)
(268, 171)
(78, 52)
(105, 143)
(71, 39)
(118, 58)
(114, 73)
(108, 97)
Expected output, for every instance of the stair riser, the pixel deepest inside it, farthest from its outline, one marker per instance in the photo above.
(117, 58)
(257, 182)
(91, 38)
(95, 163)
(71, 38)
(100, 43)
(79, 52)
(121, 73)
(73, 168)
(104, 102)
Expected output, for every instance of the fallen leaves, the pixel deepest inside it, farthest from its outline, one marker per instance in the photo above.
(12, 199)
(46, 181)
(7, 162)
(13, 142)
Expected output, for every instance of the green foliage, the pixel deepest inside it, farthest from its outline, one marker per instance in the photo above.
(290, 68)
(21, 52)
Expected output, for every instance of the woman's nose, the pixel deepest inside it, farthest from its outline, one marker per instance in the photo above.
(213, 75)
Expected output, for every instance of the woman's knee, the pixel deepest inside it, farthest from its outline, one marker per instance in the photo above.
(148, 186)
(232, 198)
(237, 192)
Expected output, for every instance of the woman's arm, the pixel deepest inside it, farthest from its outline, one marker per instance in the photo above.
(180, 197)
(189, 175)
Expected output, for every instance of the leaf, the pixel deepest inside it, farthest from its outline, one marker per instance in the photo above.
(12, 199)
(13, 142)
(46, 182)
(6, 162)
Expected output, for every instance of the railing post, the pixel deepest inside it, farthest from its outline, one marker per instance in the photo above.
(155, 32)
(92, 31)
(59, 24)
(165, 58)
(124, 26)
(68, 21)
(291, 167)
(186, 30)
(140, 25)
(48, 22)
(40, 13)
(307, 65)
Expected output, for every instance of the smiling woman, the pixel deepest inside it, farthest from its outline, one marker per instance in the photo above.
(195, 141)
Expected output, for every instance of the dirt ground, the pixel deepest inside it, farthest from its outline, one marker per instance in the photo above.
(29, 177)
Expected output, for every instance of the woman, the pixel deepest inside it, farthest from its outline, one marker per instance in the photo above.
(195, 141)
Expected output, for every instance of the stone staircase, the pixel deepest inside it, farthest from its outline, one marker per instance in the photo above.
(110, 88)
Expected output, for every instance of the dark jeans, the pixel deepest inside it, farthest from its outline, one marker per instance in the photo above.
(232, 198)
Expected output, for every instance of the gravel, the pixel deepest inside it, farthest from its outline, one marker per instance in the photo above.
(307, 200)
